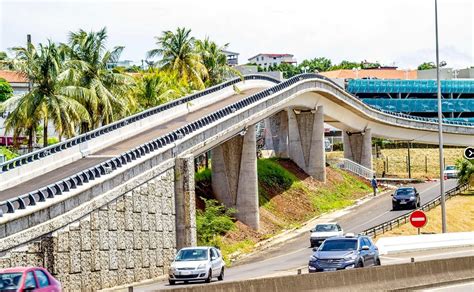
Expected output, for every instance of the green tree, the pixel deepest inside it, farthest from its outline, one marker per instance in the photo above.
(288, 70)
(320, 64)
(466, 170)
(50, 100)
(6, 90)
(215, 61)
(427, 66)
(178, 55)
(5, 62)
(156, 87)
(108, 98)
(346, 65)
(214, 220)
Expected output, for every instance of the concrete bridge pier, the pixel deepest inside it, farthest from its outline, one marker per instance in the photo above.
(306, 141)
(358, 147)
(276, 134)
(185, 202)
(234, 176)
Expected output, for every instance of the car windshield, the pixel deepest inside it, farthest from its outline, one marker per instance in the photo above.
(192, 255)
(451, 167)
(10, 281)
(325, 228)
(339, 245)
(404, 192)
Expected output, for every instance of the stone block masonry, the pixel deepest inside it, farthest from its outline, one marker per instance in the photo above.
(131, 238)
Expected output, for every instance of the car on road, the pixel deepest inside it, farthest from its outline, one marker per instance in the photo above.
(197, 263)
(322, 231)
(450, 171)
(406, 197)
(344, 252)
(28, 279)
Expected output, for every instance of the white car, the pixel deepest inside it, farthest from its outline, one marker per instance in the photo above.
(197, 263)
(450, 171)
(322, 231)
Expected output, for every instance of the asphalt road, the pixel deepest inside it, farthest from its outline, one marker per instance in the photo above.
(118, 148)
(294, 253)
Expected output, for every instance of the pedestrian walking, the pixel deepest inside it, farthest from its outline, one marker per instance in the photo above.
(373, 182)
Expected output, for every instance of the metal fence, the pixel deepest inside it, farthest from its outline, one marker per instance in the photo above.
(394, 223)
(356, 168)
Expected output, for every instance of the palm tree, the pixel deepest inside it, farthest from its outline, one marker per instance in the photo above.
(178, 55)
(109, 97)
(50, 99)
(215, 61)
(157, 87)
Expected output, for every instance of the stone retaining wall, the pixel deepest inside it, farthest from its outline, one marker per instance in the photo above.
(130, 239)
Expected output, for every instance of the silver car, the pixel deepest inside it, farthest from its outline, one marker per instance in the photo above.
(197, 263)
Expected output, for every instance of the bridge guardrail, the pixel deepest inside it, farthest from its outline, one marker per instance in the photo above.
(46, 151)
(71, 182)
(396, 222)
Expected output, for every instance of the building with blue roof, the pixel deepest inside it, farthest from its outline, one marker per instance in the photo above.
(418, 97)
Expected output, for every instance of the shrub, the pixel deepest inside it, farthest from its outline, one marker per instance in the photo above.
(6, 90)
(213, 221)
(466, 170)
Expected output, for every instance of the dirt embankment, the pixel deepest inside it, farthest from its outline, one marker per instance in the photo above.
(288, 197)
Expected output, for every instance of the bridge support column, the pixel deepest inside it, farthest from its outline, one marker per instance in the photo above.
(276, 134)
(306, 141)
(358, 147)
(234, 176)
(185, 202)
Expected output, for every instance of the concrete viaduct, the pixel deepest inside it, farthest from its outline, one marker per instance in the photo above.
(112, 206)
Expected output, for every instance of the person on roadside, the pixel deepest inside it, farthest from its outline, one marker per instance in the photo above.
(374, 184)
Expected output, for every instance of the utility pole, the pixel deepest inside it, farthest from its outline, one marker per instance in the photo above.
(440, 129)
(28, 44)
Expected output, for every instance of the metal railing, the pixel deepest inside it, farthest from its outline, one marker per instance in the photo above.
(356, 168)
(46, 151)
(396, 222)
(83, 177)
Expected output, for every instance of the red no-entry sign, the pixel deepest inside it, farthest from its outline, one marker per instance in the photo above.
(418, 219)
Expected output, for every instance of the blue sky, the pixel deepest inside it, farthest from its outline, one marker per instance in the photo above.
(389, 31)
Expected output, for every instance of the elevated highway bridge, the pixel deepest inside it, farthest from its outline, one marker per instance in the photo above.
(127, 189)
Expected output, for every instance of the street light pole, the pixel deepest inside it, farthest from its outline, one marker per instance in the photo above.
(440, 129)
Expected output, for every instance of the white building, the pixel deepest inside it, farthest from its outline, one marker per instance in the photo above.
(267, 60)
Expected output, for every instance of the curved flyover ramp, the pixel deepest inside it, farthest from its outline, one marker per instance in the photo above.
(57, 161)
(135, 183)
(213, 125)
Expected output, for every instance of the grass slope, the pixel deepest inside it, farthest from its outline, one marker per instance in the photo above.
(287, 198)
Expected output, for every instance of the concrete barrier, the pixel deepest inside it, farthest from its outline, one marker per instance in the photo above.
(410, 243)
(382, 278)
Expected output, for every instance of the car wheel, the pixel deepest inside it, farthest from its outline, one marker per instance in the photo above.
(377, 262)
(209, 276)
(394, 208)
(172, 282)
(360, 265)
(221, 276)
(419, 204)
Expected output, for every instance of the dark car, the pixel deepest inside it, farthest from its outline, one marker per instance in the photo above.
(406, 197)
(340, 253)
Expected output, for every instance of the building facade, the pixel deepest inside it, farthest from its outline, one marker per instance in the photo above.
(267, 60)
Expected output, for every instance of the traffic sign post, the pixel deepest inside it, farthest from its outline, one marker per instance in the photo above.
(469, 153)
(418, 219)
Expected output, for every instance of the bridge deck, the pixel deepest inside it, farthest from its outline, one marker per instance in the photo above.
(118, 148)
